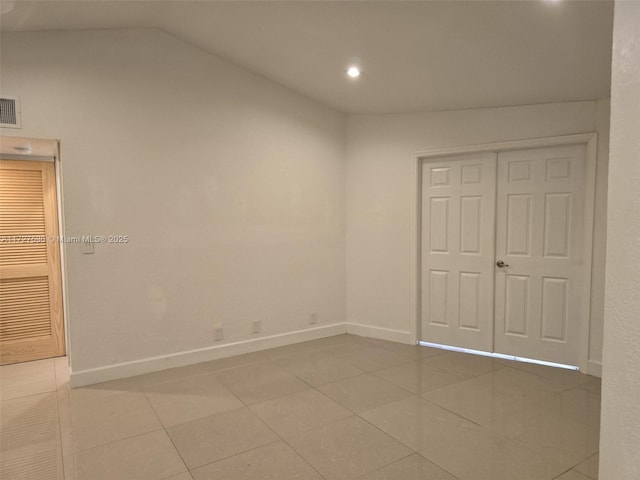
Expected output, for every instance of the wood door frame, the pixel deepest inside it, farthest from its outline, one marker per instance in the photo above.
(588, 139)
(63, 253)
(49, 151)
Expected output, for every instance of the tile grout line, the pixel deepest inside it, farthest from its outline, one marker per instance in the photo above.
(278, 440)
(419, 397)
(354, 414)
(358, 415)
(164, 429)
(162, 426)
(27, 396)
(566, 471)
(247, 406)
(282, 439)
(47, 389)
(129, 437)
(59, 421)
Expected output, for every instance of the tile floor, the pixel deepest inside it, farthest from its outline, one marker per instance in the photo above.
(343, 407)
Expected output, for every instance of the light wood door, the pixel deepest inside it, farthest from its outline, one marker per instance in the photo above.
(540, 233)
(458, 218)
(31, 322)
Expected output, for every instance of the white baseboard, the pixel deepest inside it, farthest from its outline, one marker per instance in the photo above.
(381, 333)
(594, 367)
(180, 359)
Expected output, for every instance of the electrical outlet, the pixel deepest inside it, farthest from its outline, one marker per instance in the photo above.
(218, 334)
(313, 318)
(256, 326)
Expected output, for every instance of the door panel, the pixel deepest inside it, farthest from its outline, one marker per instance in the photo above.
(516, 305)
(458, 209)
(30, 282)
(519, 224)
(539, 234)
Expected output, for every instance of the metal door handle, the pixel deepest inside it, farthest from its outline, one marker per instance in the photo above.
(501, 264)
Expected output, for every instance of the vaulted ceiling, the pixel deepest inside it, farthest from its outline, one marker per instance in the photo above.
(415, 56)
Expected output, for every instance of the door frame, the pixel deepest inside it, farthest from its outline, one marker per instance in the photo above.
(588, 139)
(48, 150)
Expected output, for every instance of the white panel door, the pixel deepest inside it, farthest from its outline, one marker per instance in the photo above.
(458, 218)
(539, 237)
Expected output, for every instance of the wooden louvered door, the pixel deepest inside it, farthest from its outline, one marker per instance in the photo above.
(31, 324)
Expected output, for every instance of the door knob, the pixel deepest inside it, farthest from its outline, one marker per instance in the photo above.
(501, 264)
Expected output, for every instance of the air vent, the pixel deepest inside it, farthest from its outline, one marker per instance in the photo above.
(10, 112)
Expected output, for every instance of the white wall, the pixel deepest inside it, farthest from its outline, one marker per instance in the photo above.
(620, 433)
(230, 188)
(598, 260)
(381, 152)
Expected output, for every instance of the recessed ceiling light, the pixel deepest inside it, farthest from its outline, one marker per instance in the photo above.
(353, 72)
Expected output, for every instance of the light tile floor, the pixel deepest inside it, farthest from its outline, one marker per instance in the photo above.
(343, 407)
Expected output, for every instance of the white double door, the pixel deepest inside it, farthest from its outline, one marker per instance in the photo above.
(502, 252)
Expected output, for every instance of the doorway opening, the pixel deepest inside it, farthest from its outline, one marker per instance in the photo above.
(504, 249)
(31, 284)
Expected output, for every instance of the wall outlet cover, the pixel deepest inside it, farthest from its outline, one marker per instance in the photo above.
(218, 334)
